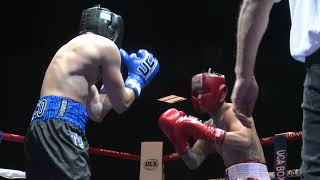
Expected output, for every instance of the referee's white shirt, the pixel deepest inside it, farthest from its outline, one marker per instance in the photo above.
(305, 28)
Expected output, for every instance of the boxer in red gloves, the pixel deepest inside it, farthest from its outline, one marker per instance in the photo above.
(233, 137)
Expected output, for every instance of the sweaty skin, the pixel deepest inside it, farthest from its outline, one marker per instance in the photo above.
(241, 144)
(79, 65)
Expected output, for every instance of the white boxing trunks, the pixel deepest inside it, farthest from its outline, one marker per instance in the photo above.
(247, 170)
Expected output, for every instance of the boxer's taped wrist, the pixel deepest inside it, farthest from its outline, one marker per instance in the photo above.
(103, 90)
(220, 135)
(215, 135)
(134, 84)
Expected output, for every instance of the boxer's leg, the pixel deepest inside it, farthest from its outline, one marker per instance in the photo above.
(56, 150)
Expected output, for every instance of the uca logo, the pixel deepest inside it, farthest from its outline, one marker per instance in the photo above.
(151, 164)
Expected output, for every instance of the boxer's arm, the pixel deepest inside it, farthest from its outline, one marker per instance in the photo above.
(239, 139)
(98, 105)
(238, 136)
(194, 157)
(120, 96)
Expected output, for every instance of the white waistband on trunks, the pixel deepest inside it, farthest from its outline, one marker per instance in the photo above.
(247, 170)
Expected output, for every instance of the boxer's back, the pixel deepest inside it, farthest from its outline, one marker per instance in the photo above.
(76, 66)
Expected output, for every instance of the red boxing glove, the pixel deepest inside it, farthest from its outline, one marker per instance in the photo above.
(179, 128)
(167, 123)
(190, 126)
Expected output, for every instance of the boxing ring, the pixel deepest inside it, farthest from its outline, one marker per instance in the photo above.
(279, 141)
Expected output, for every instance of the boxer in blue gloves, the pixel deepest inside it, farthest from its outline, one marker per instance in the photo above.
(55, 145)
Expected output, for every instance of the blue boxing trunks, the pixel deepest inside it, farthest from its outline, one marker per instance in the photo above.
(55, 143)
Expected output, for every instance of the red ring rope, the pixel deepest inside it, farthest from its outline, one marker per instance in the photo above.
(169, 157)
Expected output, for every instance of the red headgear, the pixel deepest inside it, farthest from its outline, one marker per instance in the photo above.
(208, 91)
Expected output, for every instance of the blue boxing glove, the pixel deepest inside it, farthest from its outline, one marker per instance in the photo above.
(142, 67)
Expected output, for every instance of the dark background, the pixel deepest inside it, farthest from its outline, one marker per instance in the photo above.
(187, 38)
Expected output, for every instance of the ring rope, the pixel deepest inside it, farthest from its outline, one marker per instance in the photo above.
(286, 135)
(170, 157)
(93, 150)
(135, 157)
